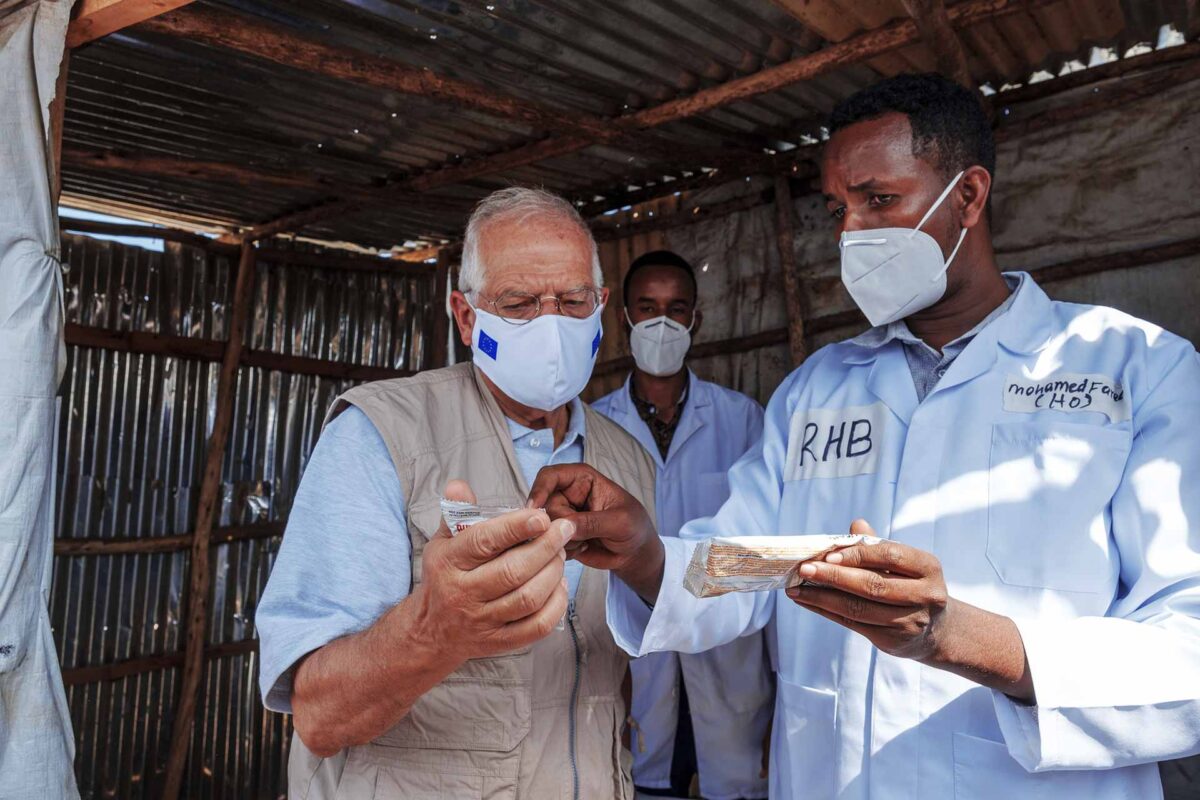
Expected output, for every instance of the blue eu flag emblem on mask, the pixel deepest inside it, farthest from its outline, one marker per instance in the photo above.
(595, 343)
(487, 345)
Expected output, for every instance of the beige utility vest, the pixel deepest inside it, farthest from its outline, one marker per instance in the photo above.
(538, 724)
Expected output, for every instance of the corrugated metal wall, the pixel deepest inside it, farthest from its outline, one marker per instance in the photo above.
(131, 452)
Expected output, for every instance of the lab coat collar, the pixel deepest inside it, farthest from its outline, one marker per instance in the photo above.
(699, 396)
(1023, 329)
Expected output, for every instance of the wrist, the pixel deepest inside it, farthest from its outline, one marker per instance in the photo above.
(644, 574)
(421, 633)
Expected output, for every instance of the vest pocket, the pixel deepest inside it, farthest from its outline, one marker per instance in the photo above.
(461, 741)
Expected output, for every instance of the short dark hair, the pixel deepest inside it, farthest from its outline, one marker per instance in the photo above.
(949, 125)
(659, 258)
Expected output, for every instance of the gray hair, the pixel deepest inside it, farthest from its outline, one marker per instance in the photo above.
(516, 203)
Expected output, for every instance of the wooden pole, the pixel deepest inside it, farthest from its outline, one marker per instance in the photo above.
(58, 108)
(206, 515)
(938, 35)
(440, 328)
(785, 234)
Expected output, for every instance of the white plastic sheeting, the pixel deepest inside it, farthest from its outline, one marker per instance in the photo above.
(36, 747)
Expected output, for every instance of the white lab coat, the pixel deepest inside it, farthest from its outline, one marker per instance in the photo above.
(1072, 507)
(730, 688)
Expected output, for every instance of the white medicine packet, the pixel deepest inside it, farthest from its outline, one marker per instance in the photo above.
(725, 564)
(460, 515)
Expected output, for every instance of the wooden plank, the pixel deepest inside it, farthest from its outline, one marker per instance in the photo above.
(93, 226)
(93, 19)
(353, 262)
(160, 166)
(1096, 74)
(1118, 93)
(262, 39)
(125, 545)
(851, 51)
(938, 35)
(301, 365)
(179, 168)
(196, 624)
(785, 236)
(210, 350)
(76, 676)
(259, 38)
(1056, 273)
(411, 262)
(692, 212)
(140, 342)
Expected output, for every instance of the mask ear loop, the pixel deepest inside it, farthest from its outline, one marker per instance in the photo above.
(938, 202)
(961, 237)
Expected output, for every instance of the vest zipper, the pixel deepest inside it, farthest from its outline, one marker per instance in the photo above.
(572, 715)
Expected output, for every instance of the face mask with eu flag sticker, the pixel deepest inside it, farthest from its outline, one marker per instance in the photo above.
(543, 363)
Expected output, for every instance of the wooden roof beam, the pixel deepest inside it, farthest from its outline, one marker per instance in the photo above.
(94, 19)
(852, 51)
(938, 35)
(175, 167)
(258, 39)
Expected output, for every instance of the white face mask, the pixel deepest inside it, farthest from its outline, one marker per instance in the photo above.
(544, 363)
(894, 272)
(659, 345)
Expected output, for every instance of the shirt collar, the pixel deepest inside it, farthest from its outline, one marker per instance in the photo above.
(575, 425)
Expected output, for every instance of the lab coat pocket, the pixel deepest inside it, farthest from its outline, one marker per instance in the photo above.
(1049, 489)
(983, 770)
(805, 740)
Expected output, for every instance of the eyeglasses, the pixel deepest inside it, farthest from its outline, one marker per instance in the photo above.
(519, 308)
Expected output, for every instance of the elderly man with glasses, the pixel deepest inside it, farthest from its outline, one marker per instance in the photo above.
(418, 663)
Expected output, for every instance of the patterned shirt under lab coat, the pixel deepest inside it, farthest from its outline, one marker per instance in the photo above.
(730, 689)
(1055, 472)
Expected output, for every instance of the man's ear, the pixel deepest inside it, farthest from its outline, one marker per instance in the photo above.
(464, 316)
(974, 188)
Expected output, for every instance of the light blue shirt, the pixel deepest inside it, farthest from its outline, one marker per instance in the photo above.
(346, 557)
(1054, 471)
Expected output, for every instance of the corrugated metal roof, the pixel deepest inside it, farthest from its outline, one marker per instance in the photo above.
(143, 92)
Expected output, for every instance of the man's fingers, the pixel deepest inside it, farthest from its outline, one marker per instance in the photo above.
(895, 557)
(865, 583)
(851, 606)
(460, 491)
(860, 527)
(483, 541)
(529, 597)
(862, 629)
(516, 566)
(572, 481)
(537, 626)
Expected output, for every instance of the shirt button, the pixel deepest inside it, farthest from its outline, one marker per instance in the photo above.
(536, 442)
(941, 373)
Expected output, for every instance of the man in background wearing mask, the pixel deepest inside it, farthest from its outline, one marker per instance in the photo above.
(1029, 627)
(708, 712)
(420, 664)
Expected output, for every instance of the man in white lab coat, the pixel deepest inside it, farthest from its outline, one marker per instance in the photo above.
(1030, 625)
(706, 713)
